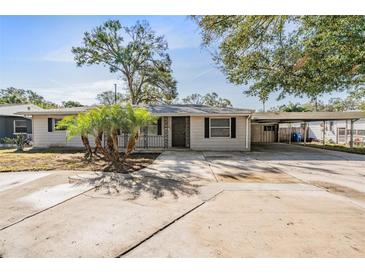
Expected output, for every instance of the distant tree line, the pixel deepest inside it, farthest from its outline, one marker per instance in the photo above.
(13, 95)
(354, 101)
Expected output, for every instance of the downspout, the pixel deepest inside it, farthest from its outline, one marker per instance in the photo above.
(248, 124)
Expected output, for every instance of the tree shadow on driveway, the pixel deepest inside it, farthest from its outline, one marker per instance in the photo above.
(136, 185)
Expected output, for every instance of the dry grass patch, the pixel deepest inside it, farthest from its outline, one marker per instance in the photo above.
(336, 147)
(57, 159)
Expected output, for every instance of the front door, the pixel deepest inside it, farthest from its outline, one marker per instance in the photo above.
(178, 131)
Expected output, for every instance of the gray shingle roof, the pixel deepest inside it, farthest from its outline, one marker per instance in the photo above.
(161, 110)
(195, 110)
(59, 111)
(12, 109)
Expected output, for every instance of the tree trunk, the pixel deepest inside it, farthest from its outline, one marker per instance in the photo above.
(99, 146)
(116, 155)
(131, 144)
(109, 145)
(85, 141)
(112, 153)
(98, 143)
(131, 91)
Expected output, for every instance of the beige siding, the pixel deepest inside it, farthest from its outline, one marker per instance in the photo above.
(43, 138)
(198, 142)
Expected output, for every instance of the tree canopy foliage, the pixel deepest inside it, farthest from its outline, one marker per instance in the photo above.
(292, 55)
(354, 101)
(70, 104)
(13, 95)
(210, 99)
(137, 53)
(110, 98)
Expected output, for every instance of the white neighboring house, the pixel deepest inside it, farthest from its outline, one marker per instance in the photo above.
(335, 131)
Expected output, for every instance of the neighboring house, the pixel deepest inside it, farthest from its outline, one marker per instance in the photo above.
(336, 131)
(12, 123)
(179, 126)
(193, 127)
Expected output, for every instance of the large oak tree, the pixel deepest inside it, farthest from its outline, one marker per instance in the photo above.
(137, 53)
(291, 55)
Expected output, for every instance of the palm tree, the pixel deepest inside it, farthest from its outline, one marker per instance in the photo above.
(107, 121)
(137, 118)
(78, 125)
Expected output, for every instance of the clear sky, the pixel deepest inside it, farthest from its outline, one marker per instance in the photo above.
(35, 54)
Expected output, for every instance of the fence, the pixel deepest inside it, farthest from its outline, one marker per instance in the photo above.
(286, 133)
(143, 141)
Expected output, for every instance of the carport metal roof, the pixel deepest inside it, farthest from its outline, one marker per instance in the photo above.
(290, 117)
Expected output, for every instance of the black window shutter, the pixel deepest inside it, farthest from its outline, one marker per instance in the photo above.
(233, 127)
(206, 128)
(159, 126)
(50, 125)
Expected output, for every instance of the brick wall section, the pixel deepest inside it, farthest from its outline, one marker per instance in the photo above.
(165, 132)
(187, 132)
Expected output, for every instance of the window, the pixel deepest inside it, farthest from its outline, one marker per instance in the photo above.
(56, 121)
(269, 128)
(341, 131)
(152, 129)
(220, 127)
(331, 126)
(361, 132)
(20, 126)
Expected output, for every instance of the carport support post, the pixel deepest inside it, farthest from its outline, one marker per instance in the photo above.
(289, 133)
(305, 132)
(352, 134)
(346, 137)
(324, 133)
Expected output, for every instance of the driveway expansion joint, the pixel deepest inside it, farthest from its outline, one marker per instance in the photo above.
(168, 224)
(46, 209)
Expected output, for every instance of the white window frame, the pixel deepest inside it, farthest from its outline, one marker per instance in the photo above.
(219, 118)
(14, 127)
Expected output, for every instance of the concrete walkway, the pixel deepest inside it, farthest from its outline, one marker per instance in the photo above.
(11, 179)
(192, 204)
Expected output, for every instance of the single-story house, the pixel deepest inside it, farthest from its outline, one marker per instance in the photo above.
(195, 127)
(12, 123)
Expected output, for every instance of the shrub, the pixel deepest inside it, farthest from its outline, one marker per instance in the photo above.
(20, 140)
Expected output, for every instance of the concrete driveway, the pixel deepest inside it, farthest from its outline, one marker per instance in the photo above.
(276, 201)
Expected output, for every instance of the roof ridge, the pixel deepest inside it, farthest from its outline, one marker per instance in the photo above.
(20, 104)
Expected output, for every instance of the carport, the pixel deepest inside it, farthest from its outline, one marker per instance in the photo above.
(265, 125)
